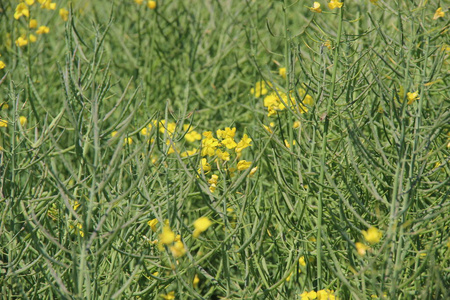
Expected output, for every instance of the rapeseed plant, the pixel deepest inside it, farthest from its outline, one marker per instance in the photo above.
(87, 160)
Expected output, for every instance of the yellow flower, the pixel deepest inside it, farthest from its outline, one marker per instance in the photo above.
(361, 248)
(22, 120)
(272, 103)
(223, 155)
(29, 2)
(259, 89)
(296, 124)
(139, 1)
(301, 261)
(326, 295)
(170, 127)
(200, 225)
(177, 238)
(286, 143)
(282, 72)
(3, 123)
(335, 4)
(127, 141)
(209, 144)
(33, 23)
(21, 10)
(205, 166)
(244, 143)
(253, 171)
(438, 14)
(151, 4)
(192, 136)
(22, 41)
(47, 4)
(43, 30)
(267, 128)
(373, 235)
(178, 249)
(64, 14)
(412, 97)
(289, 277)
(32, 38)
(229, 143)
(189, 152)
(2, 65)
(213, 183)
(213, 180)
(227, 133)
(327, 44)
(308, 295)
(196, 281)
(243, 165)
(167, 236)
(171, 148)
(152, 223)
(75, 205)
(316, 8)
(169, 296)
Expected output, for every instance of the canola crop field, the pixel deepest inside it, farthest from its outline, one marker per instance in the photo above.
(224, 149)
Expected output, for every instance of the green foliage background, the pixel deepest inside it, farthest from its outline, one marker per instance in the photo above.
(362, 156)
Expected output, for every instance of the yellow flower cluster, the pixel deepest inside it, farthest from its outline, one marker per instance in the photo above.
(335, 4)
(23, 10)
(223, 143)
(150, 4)
(319, 295)
(278, 100)
(332, 5)
(260, 89)
(77, 229)
(224, 151)
(168, 238)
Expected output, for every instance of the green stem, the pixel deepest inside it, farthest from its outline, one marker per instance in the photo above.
(324, 151)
